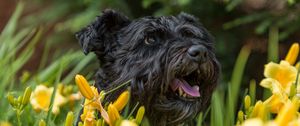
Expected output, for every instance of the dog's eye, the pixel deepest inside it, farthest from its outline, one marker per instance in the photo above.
(187, 33)
(149, 40)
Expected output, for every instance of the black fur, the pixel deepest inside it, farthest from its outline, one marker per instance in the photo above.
(151, 52)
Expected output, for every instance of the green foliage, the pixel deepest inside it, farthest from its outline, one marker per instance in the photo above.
(224, 109)
(17, 47)
(284, 18)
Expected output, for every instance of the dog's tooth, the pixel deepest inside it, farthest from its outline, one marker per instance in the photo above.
(196, 87)
(180, 91)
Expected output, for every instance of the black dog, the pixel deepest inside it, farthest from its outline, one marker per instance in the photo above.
(170, 61)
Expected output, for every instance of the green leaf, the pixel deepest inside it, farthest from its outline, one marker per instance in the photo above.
(10, 28)
(245, 20)
(217, 110)
(233, 4)
(235, 84)
(273, 44)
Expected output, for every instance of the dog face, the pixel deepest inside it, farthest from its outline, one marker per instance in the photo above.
(169, 60)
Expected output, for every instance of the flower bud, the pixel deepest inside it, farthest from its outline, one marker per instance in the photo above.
(69, 119)
(113, 113)
(297, 65)
(84, 87)
(42, 123)
(247, 102)
(26, 95)
(121, 101)
(20, 98)
(99, 122)
(241, 116)
(292, 54)
(140, 114)
(11, 99)
(80, 124)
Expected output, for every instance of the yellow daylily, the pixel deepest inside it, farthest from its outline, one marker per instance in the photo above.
(91, 105)
(41, 96)
(259, 111)
(253, 122)
(292, 54)
(283, 73)
(279, 97)
(122, 100)
(295, 122)
(113, 114)
(275, 102)
(88, 115)
(75, 96)
(128, 123)
(84, 87)
(288, 112)
(92, 100)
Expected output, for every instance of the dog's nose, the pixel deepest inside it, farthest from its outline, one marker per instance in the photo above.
(198, 53)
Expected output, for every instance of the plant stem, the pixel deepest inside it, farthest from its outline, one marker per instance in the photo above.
(132, 111)
(114, 89)
(19, 117)
(273, 44)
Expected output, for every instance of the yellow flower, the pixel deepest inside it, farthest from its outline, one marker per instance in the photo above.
(282, 73)
(4, 123)
(292, 54)
(91, 105)
(288, 112)
(122, 100)
(295, 122)
(128, 123)
(84, 87)
(88, 111)
(253, 122)
(113, 114)
(259, 111)
(275, 102)
(41, 96)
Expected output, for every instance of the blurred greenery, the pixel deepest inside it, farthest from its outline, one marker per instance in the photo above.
(45, 27)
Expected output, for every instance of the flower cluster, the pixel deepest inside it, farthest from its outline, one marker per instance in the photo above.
(41, 97)
(282, 80)
(110, 114)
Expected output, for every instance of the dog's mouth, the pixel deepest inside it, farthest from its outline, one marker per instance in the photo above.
(187, 87)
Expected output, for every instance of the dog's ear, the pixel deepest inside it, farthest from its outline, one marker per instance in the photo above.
(99, 36)
(187, 17)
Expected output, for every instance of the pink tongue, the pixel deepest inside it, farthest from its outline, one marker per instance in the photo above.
(192, 91)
